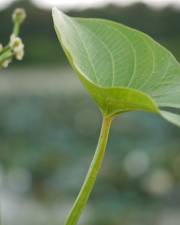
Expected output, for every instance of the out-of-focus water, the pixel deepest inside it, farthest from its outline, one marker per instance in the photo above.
(48, 132)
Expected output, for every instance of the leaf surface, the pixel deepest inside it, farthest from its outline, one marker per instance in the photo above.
(122, 69)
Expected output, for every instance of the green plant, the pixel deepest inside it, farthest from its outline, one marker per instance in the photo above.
(15, 47)
(123, 70)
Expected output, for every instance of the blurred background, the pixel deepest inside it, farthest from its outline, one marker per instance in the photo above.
(49, 127)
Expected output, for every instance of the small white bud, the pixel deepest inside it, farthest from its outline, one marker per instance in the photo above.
(6, 63)
(19, 55)
(14, 41)
(19, 15)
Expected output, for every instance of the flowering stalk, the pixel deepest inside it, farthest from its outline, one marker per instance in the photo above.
(15, 47)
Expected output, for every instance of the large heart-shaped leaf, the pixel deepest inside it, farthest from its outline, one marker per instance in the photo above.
(121, 68)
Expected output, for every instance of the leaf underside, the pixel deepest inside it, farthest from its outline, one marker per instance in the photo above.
(122, 69)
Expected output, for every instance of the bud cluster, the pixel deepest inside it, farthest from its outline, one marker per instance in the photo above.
(15, 47)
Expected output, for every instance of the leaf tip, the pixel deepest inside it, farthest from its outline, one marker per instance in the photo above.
(55, 13)
(58, 16)
(54, 10)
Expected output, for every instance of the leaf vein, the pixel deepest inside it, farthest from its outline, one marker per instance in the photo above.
(86, 50)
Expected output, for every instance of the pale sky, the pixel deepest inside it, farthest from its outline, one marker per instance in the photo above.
(66, 4)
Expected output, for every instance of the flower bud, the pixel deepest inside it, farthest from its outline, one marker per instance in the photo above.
(17, 47)
(20, 54)
(19, 15)
(6, 63)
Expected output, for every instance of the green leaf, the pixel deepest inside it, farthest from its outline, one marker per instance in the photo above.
(122, 69)
(171, 117)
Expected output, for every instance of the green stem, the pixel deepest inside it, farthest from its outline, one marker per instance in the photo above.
(90, 179)
(16, 28)
(6, 54)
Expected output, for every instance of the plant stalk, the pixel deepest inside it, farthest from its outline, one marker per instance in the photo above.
(91, 176)
(16, 28)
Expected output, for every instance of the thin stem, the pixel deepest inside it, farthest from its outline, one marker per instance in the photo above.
(6, 54)
(16, 28)
(90, 179)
